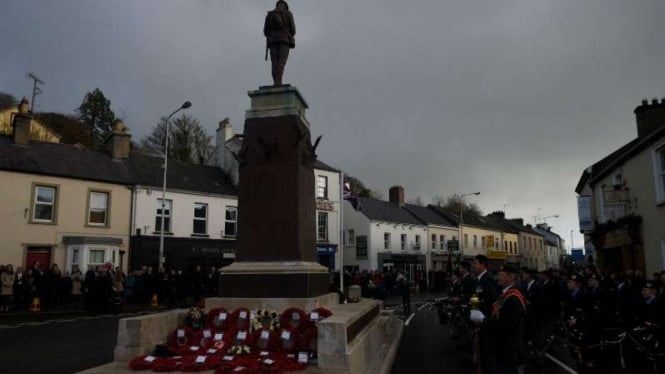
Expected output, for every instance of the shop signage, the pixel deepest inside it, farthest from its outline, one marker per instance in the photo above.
(584, 212)
(327, 206)
(496, 255)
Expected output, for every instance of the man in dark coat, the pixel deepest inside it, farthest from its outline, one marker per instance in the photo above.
(505, 324)
(467, 281)
(486, 292)
(535, 313)
(279, 29)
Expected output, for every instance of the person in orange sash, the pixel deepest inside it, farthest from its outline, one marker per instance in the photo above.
(505, 325)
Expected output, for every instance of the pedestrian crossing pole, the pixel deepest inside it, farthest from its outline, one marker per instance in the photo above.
(341, 231)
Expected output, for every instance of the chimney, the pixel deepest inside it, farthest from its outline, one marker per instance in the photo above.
(223, 134)
(21, 124)
(119, 141)
(649, 117)
(396, 195)
(499, 214)
(518, 221)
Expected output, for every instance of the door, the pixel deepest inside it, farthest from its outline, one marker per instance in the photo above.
(38, 254)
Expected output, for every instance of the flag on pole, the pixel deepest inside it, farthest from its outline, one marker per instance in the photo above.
(348, 195)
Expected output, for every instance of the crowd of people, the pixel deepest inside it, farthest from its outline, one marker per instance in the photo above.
(518, 310)
(101, 288)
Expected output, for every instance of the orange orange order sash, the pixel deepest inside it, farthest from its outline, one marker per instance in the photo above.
(499, 303)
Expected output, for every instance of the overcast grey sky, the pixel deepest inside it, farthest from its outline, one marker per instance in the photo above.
(510, 98)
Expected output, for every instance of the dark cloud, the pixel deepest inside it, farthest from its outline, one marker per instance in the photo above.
(512, 98)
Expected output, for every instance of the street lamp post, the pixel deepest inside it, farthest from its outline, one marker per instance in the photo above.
(544, 219)
(162, 260)
(571, 241)
(461, 222)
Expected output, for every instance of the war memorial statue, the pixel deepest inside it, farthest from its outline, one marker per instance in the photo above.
(279, 30)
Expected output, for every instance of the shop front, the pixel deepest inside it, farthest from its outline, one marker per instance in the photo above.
(619, 245)
(325, 254)
(495, 259)
(408, 263)
(182, 253)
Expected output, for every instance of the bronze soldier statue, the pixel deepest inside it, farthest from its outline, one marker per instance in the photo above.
(279, 30)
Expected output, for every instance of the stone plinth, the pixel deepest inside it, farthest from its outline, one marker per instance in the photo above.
(276, 255)
(139, 335)
(358, 339)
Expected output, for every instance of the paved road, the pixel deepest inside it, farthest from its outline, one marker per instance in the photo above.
(64, 345)
(427, 348)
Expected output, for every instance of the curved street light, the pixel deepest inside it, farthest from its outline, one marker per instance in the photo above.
(461, 221)
(162, 260)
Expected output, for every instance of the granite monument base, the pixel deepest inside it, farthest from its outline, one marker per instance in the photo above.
(300, 279)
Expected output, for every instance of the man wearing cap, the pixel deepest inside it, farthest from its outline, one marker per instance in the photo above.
(505, 325)
(535, 314)
(279, 29)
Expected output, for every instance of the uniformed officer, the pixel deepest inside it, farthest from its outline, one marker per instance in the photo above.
(504, 327)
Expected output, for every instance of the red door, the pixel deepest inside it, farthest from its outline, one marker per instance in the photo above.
(41, 254)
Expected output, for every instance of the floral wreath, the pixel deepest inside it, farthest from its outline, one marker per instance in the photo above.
(178, 339)
(144, 362)
(239, 350)
(322, 312)
(269, 344)
(237, 322)
(265, 319)
(191, 365)
(214, 320)
(196, 318)
(293, 318)
(289, 344)
(204, 338)
(309, 340)
(231, 337)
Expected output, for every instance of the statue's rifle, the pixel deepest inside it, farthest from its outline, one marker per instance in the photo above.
(266, 50)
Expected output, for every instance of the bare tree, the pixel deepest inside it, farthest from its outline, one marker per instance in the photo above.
(188, 141)
(456, 203)
(418, 201)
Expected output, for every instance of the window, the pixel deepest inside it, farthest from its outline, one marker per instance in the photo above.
(344, 237)
(466, 240)
(231, 222)
(76, 256)
(200, 219)
(659, 173)
(321, 187)
(482, 241)
(442, 242)
(98, 207)
(96, 258)
(403, 241)
(417, 246)
(496, 242)
(44, 204)
(505, 245)
(322, 227)
(530, 243)
(167, 215)
(386, 240)
(433, 241)
(352, 237)
(616, 181)
(475, 241)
